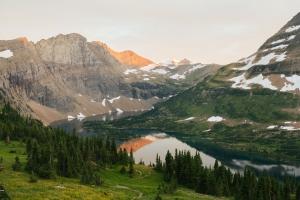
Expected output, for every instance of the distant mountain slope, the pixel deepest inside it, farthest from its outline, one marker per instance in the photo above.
(275, 65)
(67, 76)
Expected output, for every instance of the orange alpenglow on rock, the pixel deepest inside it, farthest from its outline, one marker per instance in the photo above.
(135, 144)
(127, 57)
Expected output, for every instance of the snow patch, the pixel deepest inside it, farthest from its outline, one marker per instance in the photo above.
(114, 99)
(242, 82)
(119, 111)
(282, 46)
(289, 128)
(248, 62)
(188, 119)
(70, 117)
(195, 67)
(146, 79)
(292, 29)
(93, 101)
(272, 127)
(130, 71)
(292, 84)
(80, 116)
(177, 76)
(284, 39)
(6, 54)
(215, 119)
(103, 102)
(149, 67)
(159, 71)
(263, 60)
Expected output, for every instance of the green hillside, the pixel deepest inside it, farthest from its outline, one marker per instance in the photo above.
(116, 186)
(247, 115)
(38, 162)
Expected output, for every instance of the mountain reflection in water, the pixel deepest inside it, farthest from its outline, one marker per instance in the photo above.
(146, 148)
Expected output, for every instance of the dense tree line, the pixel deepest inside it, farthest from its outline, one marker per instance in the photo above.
(52, 152)
(188, 170)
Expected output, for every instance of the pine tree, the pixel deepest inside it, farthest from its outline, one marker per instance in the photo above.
(123, 170)
(286, 191)
(131, 163)
(168, 167)
(17, 165)
(158, 165)
(298, 193)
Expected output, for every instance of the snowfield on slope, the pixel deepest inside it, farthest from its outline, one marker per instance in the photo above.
(215, 119)
(6, 54)
(263, 60)
(291, 83)
(292, 29)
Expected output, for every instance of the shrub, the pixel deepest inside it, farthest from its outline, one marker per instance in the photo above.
(17, 166)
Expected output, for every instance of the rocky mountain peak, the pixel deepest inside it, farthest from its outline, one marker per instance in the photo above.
(276, 64)
(127, 57)
(294, 21)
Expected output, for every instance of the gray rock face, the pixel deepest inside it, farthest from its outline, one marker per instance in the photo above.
(52, 70)
(67, 75)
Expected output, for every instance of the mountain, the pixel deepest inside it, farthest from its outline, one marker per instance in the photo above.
(251, 107)
(175, 71)
(67, 76)
(275, 65)
(127, 57)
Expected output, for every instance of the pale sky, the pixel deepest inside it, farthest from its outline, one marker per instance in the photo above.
(207, 31)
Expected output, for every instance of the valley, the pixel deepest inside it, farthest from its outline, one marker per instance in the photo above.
(82, 120)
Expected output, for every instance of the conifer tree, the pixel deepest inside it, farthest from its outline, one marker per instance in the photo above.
(131, 163)
(298, 193)
(17, 165)
(158, 165)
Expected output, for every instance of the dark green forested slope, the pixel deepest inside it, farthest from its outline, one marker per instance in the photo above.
(39, 162)
(247, 115)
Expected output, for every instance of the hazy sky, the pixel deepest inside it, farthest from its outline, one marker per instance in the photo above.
(218, 31)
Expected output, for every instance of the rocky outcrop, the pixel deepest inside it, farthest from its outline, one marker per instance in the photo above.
(68, 76)
(127, 57)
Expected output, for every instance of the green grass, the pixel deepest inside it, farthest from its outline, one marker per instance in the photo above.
(116, 185)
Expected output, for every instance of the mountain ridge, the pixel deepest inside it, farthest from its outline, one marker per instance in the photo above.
(66, 75)
(254, 104)
(127, 57)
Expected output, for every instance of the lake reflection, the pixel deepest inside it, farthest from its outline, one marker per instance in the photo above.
(146, 144)
(146, 148)
(77, 124)
(275, 169)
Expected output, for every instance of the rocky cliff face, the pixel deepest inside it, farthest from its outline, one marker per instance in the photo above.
(68, 76)
(127, 57)
(275, 65)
